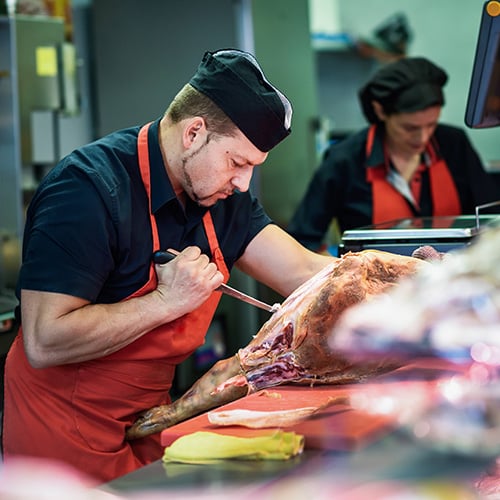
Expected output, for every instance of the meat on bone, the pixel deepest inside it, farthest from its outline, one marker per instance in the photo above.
(449, 313)
(292, 346)
(451, 309)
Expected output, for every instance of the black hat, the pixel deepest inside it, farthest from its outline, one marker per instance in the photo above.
(405, 86)
(235, 82)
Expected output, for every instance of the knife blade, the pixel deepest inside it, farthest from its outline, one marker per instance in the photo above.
(163, 256)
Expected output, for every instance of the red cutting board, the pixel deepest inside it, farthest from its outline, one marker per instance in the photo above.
(337, 427)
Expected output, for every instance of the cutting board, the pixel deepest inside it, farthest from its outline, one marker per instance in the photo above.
(336, 427)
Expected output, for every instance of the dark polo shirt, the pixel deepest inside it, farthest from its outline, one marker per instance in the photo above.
(88, 232)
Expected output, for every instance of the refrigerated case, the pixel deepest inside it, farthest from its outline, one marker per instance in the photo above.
(31, 92)
(38, 86)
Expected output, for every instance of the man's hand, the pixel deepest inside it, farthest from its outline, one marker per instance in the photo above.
(188, 280)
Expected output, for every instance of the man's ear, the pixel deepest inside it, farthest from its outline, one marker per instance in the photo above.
(379, 110)
(194, 127)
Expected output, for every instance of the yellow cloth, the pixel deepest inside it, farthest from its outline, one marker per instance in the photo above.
(208, 447)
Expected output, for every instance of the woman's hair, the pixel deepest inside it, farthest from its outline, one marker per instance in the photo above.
(190, 102)
(405, 86)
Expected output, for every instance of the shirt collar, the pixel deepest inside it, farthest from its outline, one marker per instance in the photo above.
(162, 191)
(376, 155)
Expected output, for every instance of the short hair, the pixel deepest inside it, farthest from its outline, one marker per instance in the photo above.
(189, 102)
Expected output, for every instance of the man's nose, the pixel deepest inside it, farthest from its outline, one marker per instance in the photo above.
(243, 179)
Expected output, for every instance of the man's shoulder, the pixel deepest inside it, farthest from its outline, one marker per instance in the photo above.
(110, 157)
(120, 142)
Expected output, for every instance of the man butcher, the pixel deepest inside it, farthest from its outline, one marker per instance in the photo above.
(102, 328)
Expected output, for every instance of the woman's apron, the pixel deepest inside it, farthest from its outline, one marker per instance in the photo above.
(78, 413)
(389, 204)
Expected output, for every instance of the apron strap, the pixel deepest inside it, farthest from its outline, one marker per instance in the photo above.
(442, 182)
(218, 257)
(143, 154)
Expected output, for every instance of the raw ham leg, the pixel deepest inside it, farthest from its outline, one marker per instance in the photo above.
(292, 346)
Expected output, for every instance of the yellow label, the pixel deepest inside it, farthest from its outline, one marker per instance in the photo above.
(46, 61)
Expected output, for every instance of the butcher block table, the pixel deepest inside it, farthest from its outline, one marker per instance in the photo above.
(336, 427)
(349, 454)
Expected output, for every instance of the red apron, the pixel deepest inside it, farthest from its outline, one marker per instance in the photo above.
(78, 413)
(389, 204)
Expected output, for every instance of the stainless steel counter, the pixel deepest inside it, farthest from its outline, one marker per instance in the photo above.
(403, 236)
(394, 463)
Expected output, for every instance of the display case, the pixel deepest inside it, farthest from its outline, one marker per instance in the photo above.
(403, 236)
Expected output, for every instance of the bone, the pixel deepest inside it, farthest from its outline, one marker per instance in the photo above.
(292, 346)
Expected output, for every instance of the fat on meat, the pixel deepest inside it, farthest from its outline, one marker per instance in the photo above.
(292, 346)
(450, 309)
(448, 312)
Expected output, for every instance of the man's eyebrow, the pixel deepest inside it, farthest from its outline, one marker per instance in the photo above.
(240, 160)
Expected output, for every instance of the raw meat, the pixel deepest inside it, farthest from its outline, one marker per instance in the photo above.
(260, 419)
(451, 309)
(292, 347)
(278, 418)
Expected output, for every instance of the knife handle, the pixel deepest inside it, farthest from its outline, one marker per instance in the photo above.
(163, 256)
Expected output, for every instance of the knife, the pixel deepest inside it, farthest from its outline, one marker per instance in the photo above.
(162, 256)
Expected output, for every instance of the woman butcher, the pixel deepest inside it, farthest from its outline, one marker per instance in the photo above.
(102, 327)
(404, 164)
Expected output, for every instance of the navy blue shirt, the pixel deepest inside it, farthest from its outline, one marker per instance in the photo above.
(88, 232)
(339, 189)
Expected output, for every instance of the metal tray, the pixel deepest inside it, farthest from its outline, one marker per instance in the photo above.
(461, 227)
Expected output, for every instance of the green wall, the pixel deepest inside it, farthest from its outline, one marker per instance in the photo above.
(282, 45)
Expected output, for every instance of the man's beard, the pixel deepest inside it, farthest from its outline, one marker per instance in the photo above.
(187, 181)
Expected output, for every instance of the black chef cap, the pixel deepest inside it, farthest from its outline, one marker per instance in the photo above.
(407, 85)
(234, 80)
